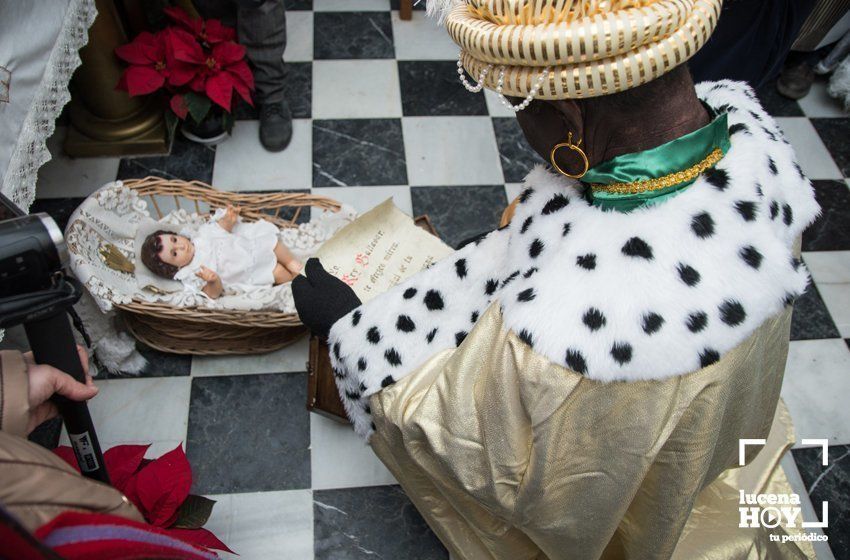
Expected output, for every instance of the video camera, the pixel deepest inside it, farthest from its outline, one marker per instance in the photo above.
(36, 292)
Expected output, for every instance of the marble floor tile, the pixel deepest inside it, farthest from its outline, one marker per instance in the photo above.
(358, 152)
(160, 364)
(811, 319)
(812, 154)
(299, 36)
(776, 104)
(363, 199)
(60, 209)
(290, 359)
(249, 433)
(828, 267)
(297, 87)
(459, 213)
(63, 176)
(417, 5)
(513, 190)
(817, 380)
(264, 525)
(292, 5)
(351, 5)
(517, 156)
(347, 35)
(376, 522)
(835, 134)
(355, 89)
(451, 151)
(141, 411)
(819, 104)
(495, 105)
(242, 164)
(431, 87)
(831, 272)
(188, 161)
(837, 300)
(831, 484)
(422, 38)
(339, 458)
(830, 231)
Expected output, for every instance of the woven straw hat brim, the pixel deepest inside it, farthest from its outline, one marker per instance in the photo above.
(589, 38)
(625, 68)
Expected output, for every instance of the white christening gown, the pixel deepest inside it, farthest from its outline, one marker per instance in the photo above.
(244, 256)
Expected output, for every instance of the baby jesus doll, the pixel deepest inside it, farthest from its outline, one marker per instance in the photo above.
(223, 252)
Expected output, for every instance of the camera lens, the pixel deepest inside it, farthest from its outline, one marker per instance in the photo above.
(56, 236)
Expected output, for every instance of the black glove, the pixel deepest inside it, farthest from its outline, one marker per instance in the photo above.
(321, 298)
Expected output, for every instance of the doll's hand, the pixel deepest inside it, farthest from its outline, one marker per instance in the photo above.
(213, 287)
(230, 218)
(207, 275)
(321, 299)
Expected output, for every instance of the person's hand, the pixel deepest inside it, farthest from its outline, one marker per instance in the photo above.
(321, 299)
(231, 216)
(45, 381)
(207, 275)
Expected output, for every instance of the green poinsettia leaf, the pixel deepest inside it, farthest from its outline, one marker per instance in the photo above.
(198, 106)
(194, 512)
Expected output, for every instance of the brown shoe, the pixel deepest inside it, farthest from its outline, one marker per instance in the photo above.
(795, 81)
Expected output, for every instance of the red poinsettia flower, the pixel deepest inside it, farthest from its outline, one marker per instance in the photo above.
(160, 486)
(210, 31)
(223, 69)
(148, 70)
(156, 487)
(196, 61)
(228, 71)
(182, 68)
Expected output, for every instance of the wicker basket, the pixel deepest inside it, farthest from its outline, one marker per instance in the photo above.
(195, 330)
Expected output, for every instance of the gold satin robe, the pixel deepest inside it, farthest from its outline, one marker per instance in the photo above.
(509, 456)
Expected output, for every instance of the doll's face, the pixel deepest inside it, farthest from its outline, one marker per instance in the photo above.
(176, 250)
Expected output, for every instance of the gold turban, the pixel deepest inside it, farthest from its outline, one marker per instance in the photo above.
(561, 49)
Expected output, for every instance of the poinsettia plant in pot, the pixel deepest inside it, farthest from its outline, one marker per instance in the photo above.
(198, 64)
(159, 488)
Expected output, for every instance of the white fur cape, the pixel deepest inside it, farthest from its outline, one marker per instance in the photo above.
(660, 291)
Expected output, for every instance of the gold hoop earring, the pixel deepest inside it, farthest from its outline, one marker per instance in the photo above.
(575, 147)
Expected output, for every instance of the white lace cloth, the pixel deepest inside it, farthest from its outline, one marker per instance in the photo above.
(113, 214)
(39, 44)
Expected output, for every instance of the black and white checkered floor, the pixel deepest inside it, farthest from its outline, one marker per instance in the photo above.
(379, 113)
